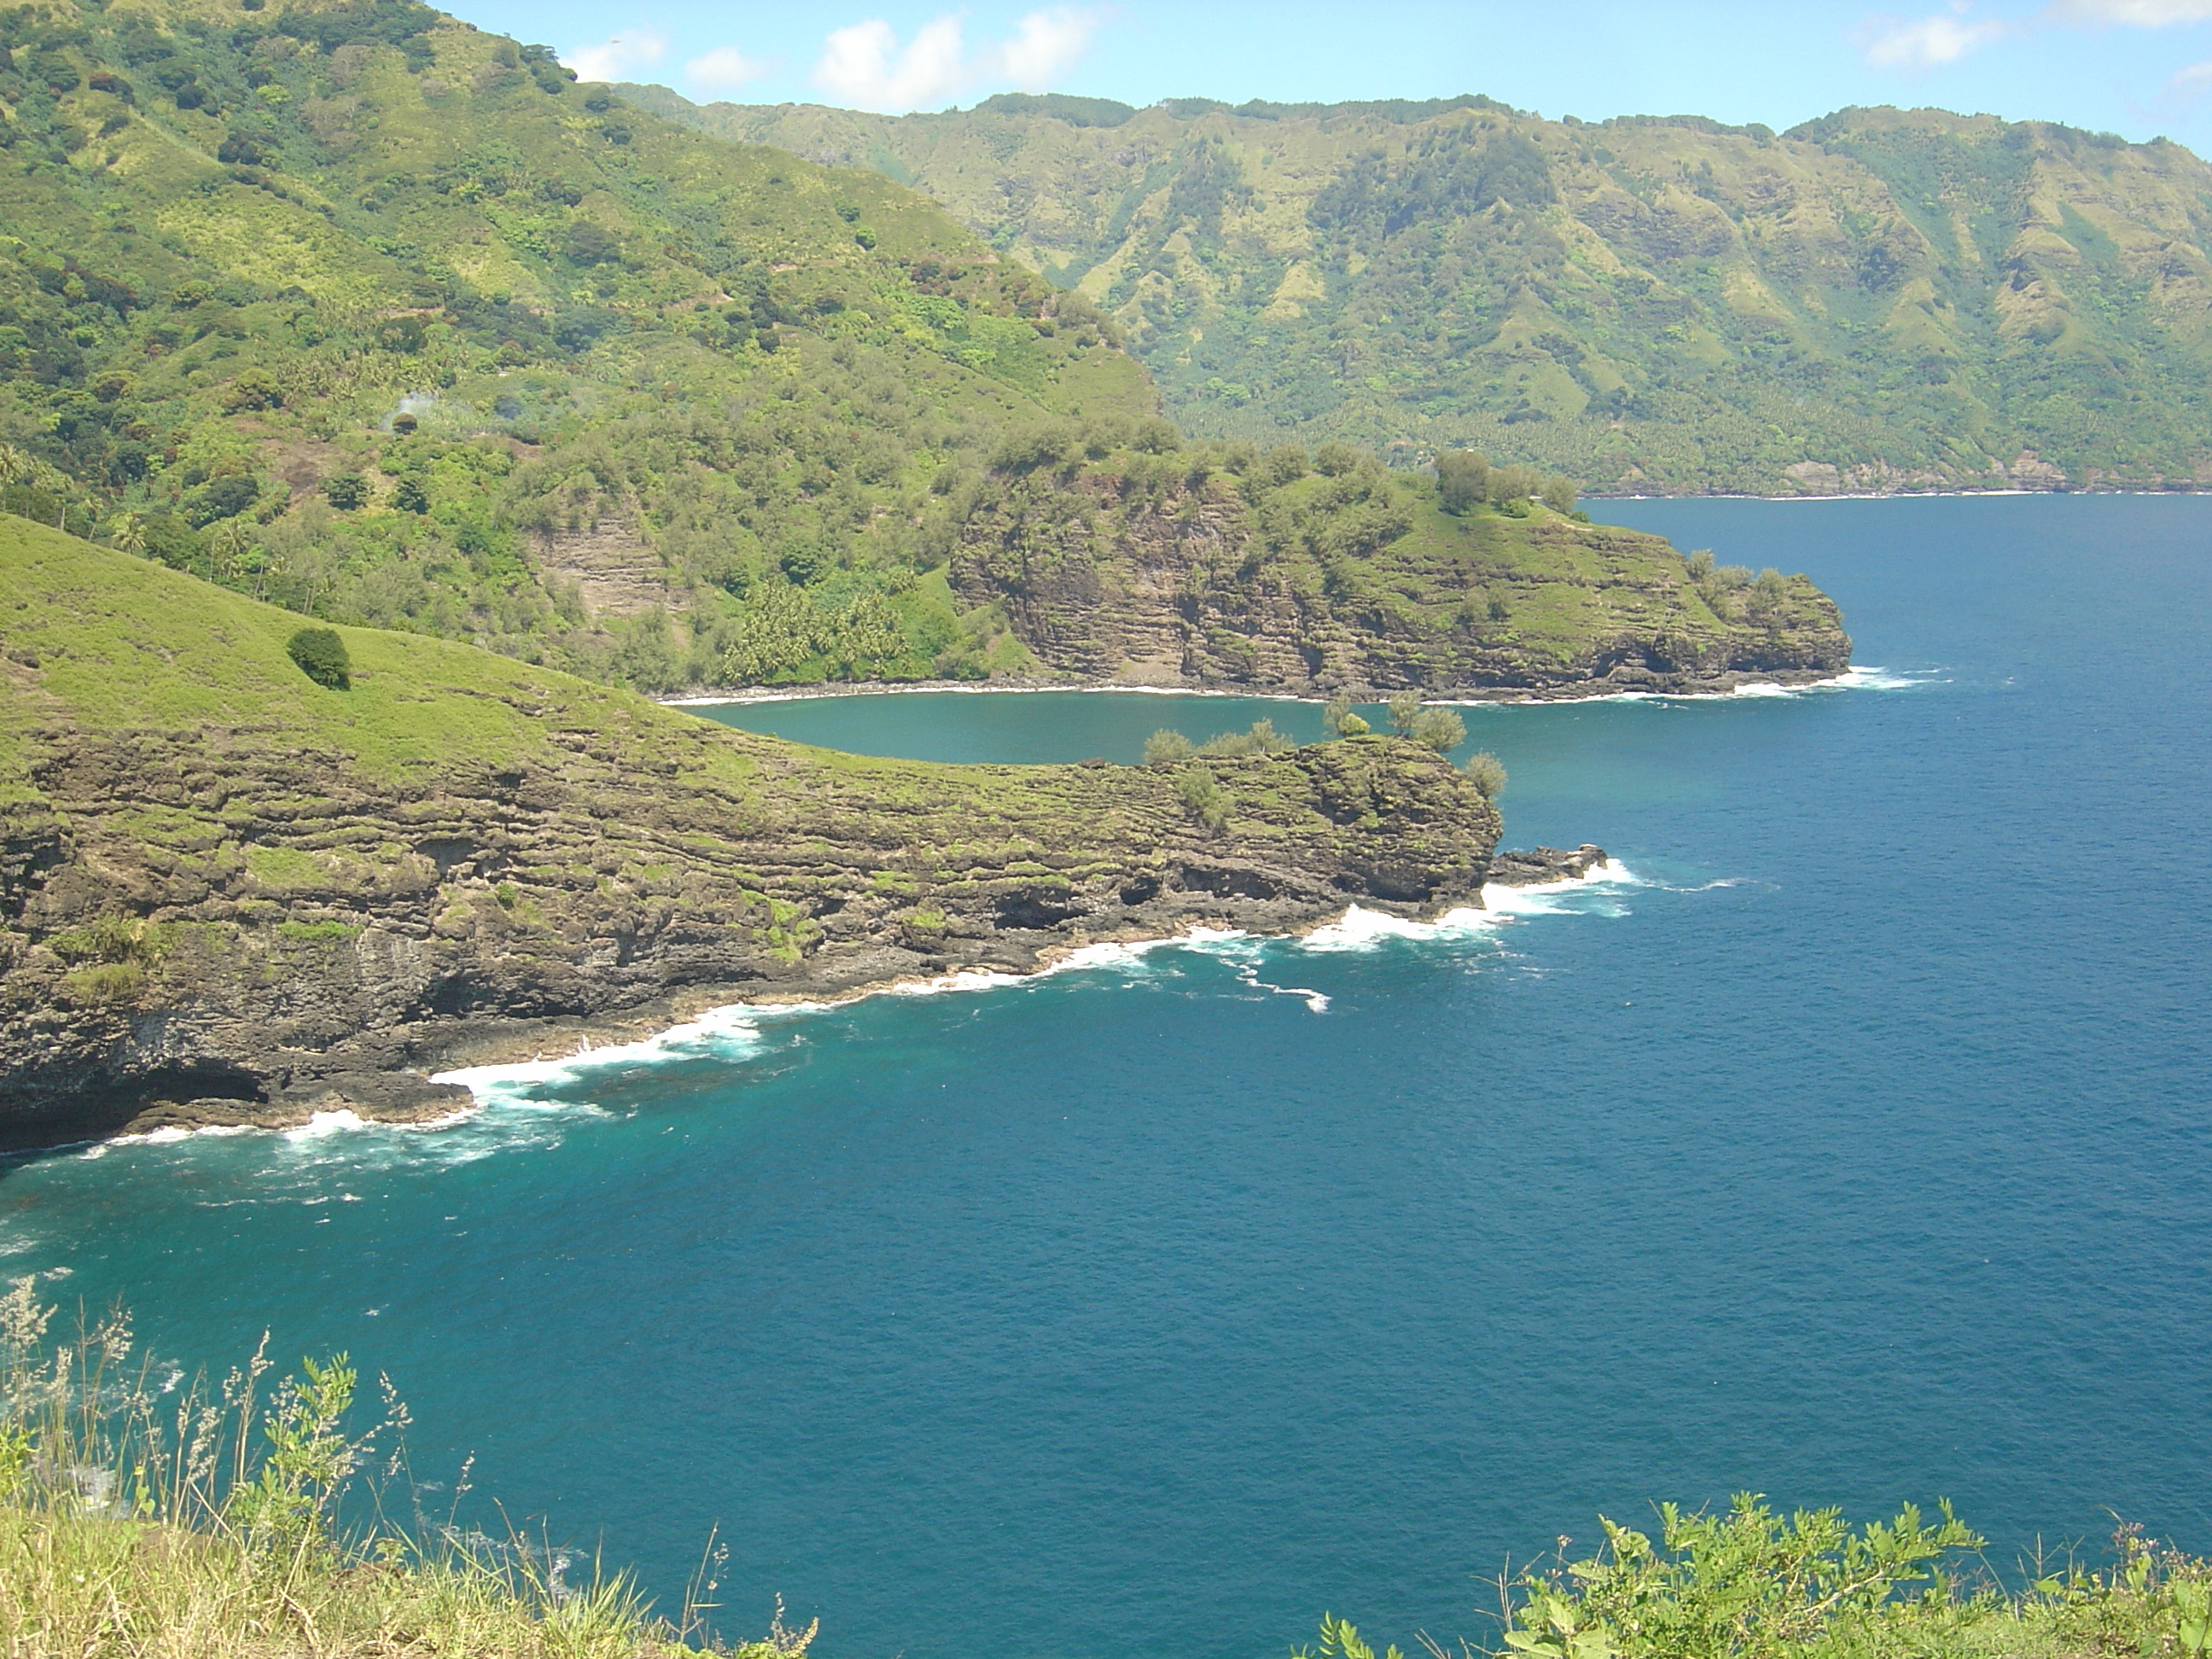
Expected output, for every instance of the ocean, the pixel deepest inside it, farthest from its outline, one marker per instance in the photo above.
(1850, 1145)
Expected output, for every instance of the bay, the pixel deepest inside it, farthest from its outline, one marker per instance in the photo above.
(1855, 1152)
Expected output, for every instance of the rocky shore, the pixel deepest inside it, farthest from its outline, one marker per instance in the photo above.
(230, 895)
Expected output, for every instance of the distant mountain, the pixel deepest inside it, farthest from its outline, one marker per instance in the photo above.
(1883, 299)
(355, 309)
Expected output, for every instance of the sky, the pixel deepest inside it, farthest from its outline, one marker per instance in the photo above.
(2139, 68)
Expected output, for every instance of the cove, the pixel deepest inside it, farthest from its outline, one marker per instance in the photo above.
(1855, 1152)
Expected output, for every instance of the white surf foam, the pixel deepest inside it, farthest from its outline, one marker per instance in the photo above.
(1360, 929)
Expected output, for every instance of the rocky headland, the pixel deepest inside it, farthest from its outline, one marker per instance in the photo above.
(230, 894)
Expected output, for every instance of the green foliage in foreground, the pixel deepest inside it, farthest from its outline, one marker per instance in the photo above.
(1750, 1583)
(1880, 299)
(135, 1521)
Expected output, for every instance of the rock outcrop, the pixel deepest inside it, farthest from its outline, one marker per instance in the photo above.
(1361, 585)
(229, 894)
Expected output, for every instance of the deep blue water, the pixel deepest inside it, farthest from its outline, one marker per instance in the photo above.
(1856, 1154)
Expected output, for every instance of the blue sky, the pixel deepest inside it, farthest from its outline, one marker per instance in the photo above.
(2137, 67)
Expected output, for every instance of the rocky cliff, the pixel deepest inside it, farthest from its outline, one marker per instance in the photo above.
(1152, 572)
(228, 893)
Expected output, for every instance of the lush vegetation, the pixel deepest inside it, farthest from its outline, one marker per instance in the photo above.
(1880, 299)
(1747, 1582)
(1224, 563)
(361, 311)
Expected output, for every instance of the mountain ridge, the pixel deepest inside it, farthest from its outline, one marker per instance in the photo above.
(1880, 300)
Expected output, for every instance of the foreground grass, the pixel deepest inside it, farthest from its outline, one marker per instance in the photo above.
(205, 1523)
(80, 1585)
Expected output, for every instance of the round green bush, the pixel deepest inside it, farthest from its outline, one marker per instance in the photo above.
(322, 657)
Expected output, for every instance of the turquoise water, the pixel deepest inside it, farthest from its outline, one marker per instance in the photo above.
(1856, 1151)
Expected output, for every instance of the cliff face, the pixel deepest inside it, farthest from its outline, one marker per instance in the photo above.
(228, 894)
(1361, 583)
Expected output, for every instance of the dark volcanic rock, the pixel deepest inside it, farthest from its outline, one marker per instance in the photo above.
(273, 934)
(1542, 865)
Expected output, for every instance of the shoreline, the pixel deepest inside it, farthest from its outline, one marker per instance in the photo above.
(1807, 680)
(1891, 495)
(1354, 922)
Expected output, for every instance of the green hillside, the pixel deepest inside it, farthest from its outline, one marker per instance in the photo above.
(348, 306)
(234, 891)
(1882, 299)
(357, 309)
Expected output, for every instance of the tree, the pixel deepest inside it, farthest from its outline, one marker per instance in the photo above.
(1488, 773)
(229, 547)
(1440, 729)
(1768, 594)
(347, 491)
(1339, 718)
(128, 533)
(1202, 793)
(1515, 486)
(1462, 479)
(321, 655)
(1560, 496)
(1405, 709)
(1165, 748)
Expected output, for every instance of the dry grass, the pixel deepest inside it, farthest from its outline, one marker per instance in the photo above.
(205, 1523)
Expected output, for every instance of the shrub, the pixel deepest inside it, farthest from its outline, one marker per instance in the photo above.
(321, 655)
(110, 981)
(1488, 773)
(1261, 738)
(1334, 460)
(1339, 718)
(1202, 793)
(1462, 479)
(1165, 748)
(347, 491)
(1440, 729)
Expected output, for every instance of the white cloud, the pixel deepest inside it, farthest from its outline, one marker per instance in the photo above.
(1930, 42)
(616, 57)
(2189, 85)
(865, 65)
(1045, 46)
(2131, 14)
(723, 69)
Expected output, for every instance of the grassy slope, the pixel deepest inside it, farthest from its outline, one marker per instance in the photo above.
(1880, 298)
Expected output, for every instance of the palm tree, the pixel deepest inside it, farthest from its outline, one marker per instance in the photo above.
(128, 533)
(229, 546)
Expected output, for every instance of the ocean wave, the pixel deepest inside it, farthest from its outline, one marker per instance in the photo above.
(1360, 929)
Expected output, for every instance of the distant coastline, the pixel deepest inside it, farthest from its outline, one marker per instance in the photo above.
(1584, 692)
